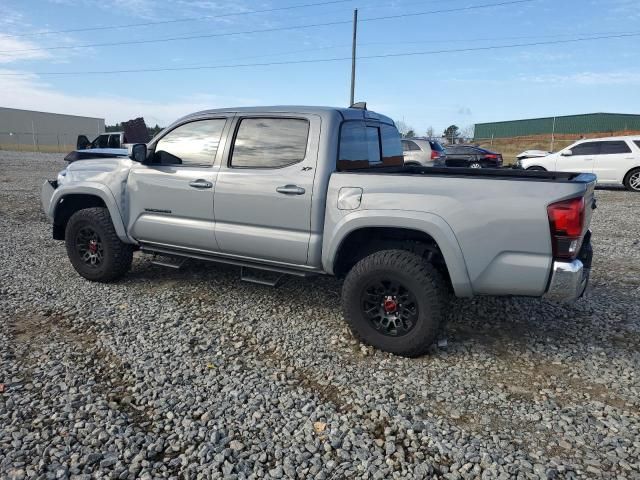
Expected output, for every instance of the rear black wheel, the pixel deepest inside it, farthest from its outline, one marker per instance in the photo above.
(536, 169)
(475, 165)
(93, 246)
(395, 301)
(632, 180)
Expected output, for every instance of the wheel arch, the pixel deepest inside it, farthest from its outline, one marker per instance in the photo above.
(365, 232)
(67, 202)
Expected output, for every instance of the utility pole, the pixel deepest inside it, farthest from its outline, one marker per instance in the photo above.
(353, 57)
(553, 134)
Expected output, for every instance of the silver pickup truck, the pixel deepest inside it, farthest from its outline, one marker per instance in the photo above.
(314, 190)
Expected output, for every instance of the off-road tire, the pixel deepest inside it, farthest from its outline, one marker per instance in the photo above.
(421, 278)
(117, 255)
(627, 180)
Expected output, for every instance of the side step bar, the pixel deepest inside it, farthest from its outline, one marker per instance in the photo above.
(166, 261)
(248, 268)
(270, 279)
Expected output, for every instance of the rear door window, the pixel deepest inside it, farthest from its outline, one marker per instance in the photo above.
(613, 147)
(270, 142)
(409, 146)
(637, 142)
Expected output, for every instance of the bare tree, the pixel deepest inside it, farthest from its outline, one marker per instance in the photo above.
(467, 132)
(404, 129)
(430, 132)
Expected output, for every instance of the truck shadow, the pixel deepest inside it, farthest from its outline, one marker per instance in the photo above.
(499, 324)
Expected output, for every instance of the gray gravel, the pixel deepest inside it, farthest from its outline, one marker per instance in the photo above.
(194, 374)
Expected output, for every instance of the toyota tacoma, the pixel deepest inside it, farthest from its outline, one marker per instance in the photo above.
(324, 191)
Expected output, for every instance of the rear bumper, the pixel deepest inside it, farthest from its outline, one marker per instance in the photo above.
(48, 187)
(568, 281)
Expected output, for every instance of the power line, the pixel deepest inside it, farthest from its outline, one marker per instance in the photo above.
(178, 20)
(198, 19)
(326, 60)
(274, 29)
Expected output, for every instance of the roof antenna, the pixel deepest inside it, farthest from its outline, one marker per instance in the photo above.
(360, 105)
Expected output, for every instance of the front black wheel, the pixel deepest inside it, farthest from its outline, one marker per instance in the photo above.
(536, 169)
(395, 301)
(93, 247)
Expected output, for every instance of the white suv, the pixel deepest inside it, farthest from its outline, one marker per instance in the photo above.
(614, 160)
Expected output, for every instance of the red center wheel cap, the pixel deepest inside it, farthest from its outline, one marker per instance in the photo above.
(93, 246)
(390, 305)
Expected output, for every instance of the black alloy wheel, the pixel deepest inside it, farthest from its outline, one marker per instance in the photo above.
(390, 307)
(89, 247)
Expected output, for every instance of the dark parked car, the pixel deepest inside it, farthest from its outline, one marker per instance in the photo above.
(469, 156)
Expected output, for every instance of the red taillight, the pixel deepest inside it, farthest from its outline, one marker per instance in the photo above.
(435, 154)
(492, 156)
(566, 220)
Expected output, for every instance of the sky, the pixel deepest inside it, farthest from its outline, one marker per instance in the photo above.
(443, 68)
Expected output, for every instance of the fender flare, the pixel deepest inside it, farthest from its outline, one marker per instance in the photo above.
(96, 190)
(429, 223)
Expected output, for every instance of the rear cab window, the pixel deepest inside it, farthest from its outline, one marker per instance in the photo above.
(366, 144)
(637, 142)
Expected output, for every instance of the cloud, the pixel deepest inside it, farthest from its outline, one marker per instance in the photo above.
(587, 78)
(464, 111)
(146, 9)
(8, 44)
(626, 8)
(31, 93)
(154, 11)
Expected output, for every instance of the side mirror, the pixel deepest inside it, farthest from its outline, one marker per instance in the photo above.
(138, 152)
(566, 153)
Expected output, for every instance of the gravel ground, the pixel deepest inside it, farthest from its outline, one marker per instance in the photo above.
(195, 374)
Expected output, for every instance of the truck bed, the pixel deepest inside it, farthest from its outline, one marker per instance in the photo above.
(495, 174)
(497, 217)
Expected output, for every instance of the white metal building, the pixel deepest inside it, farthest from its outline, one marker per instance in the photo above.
(42, 131)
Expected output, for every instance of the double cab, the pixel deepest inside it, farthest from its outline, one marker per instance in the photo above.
(324, 191)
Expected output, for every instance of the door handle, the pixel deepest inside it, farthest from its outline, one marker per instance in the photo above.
(200, 184)
(291, 190)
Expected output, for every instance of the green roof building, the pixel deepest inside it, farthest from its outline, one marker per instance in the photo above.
(570, 124)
